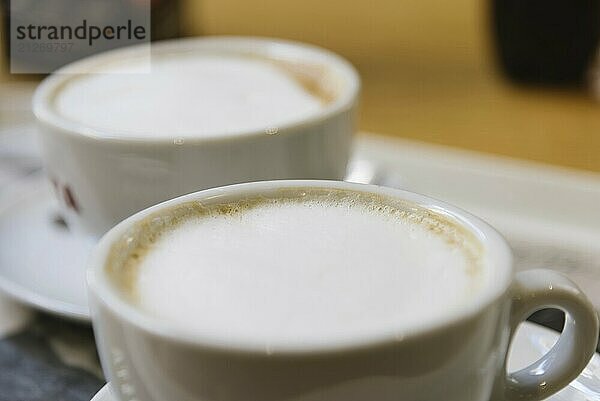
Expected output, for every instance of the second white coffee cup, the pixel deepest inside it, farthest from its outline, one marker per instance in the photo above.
(102, 174)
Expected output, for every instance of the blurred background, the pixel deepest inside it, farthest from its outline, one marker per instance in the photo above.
(490, 75)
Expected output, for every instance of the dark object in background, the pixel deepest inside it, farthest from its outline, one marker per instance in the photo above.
(546, 41)
(164, 19)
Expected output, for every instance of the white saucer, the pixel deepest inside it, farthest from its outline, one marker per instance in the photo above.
(42, 264)
(531, 343)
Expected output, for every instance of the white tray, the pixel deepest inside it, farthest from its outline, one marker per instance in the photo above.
(550, 215)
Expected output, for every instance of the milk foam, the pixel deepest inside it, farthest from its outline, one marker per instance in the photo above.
(188, 96)
(308, 270)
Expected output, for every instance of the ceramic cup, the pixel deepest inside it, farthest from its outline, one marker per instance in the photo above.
(101, 177)
(461, 357)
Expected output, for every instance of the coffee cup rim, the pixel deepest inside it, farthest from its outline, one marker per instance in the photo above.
(45, 93)
(494, 244)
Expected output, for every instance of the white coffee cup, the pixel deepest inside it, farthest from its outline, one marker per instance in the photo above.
(102, 176)
(458, 357)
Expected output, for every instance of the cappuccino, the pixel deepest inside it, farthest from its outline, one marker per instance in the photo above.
(310, 265)
(192, 95)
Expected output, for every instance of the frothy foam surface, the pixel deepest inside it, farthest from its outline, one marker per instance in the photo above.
(304, 270)
(195, 95)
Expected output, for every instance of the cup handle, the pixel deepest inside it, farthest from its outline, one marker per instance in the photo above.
(538, 289)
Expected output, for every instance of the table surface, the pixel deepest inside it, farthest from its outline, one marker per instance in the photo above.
(43, 357)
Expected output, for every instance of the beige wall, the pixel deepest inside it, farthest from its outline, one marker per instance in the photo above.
(367, 32)
(428, 73)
